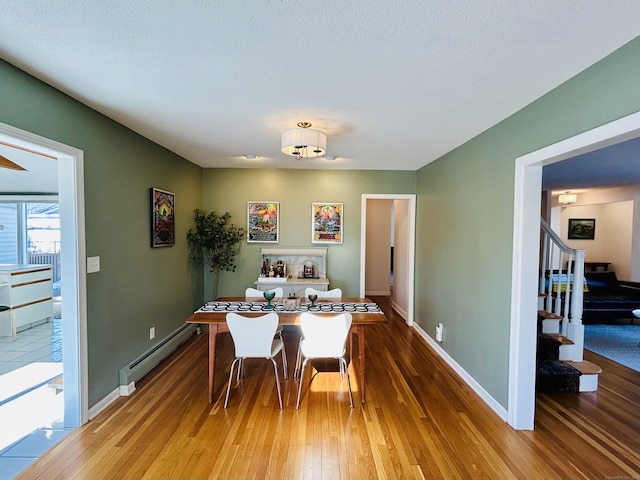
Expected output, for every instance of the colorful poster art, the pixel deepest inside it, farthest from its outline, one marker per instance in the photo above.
(263, 222)
(162, 218)
(327, 222)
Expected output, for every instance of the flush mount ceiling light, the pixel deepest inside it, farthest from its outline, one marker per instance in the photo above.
(303, 142)
(567, 198)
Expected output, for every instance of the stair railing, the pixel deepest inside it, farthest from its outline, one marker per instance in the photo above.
(554, 282)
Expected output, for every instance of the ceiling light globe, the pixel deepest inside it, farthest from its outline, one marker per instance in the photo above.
(303, 143)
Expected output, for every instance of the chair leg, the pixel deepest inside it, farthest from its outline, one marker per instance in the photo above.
(301, 373)
(233, 364)
(343, 364)
(296, 372)
(285, 367)
(275, 371)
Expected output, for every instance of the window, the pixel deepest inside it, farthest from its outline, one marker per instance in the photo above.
(30, 233)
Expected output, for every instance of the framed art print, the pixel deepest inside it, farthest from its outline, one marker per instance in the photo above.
(162, 218)
(263, 222)
(327, 222)
(582, 229)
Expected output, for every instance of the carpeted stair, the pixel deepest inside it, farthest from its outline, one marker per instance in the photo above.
(553, 375)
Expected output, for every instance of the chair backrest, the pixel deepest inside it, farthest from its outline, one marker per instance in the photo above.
(334, 293)
(255, 293)
(252, 336)
(325, 336)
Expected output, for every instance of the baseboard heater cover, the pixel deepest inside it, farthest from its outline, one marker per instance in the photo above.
(142, 365)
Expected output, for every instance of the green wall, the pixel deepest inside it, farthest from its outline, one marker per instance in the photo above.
(465, 214)
(231, 189)
(138, 286)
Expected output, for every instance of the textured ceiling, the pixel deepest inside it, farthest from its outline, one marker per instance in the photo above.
(394, 84)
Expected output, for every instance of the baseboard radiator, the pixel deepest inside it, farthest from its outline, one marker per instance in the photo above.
(142, 365)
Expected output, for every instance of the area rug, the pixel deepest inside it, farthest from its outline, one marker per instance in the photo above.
(615, 342)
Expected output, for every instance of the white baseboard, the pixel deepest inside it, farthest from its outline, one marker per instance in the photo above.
(469, 380)
(126, 390)
(400, 311)
(377, 293)
(103, 404)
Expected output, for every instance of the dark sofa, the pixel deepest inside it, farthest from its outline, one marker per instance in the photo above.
(608, 298)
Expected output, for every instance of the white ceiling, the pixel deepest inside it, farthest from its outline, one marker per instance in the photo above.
(40, 174)
(394, 84)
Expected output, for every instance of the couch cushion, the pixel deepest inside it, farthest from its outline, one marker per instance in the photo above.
(602, 281)
(561, 279)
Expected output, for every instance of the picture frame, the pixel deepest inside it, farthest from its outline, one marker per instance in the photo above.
(327, 222)
(163, 228)
(581, 229)
(263, 222)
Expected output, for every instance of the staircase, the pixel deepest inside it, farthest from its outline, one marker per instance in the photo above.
(560, 363)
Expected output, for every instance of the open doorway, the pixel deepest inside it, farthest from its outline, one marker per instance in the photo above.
(70, 187)
(526, 234)
(394, 225)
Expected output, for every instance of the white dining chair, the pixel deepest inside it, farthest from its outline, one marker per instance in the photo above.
(255, 293)
(333, 293)
(324, 337)
(253, 337)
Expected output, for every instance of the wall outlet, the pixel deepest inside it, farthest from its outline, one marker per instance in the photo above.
(93, 264)
(152, 333)
(439, 330)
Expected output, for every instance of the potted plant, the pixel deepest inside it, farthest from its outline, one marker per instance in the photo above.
(214, 242)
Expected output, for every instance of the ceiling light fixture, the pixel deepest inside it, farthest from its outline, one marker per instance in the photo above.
(303, 142)
(567, 198)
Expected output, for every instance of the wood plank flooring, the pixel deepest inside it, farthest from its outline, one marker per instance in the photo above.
(420, 421)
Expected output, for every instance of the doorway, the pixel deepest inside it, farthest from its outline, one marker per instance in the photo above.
(403, 228)
(71, 204)
(526, 233)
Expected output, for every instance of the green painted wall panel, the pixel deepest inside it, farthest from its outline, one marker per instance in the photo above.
(231, 189)
(465, 214)
(138, 286)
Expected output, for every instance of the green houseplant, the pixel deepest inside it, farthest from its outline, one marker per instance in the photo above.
(214, 242)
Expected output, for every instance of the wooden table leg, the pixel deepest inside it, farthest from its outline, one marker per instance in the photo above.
(359, 331)
(351, 344)
(213, 333)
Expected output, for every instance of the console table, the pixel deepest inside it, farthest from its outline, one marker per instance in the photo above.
(595, 266)
(294, 282)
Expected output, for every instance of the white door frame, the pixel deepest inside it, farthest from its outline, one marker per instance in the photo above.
(412, 244)
(526, 246)
(73, 265)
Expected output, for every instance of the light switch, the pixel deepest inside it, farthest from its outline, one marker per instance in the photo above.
(93, 264)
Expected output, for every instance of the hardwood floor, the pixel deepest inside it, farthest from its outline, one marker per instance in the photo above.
(420, 421)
